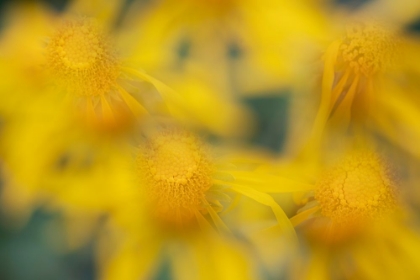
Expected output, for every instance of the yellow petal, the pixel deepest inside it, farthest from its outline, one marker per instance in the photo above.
(132, 103)
(303, 216)
(267, 200)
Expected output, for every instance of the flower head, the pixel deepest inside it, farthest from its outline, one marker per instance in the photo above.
(177, 173)
(367, 49)
(180, 197)
(82, 59)
(355, 192)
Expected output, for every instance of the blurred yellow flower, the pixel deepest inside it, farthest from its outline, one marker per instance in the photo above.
(179, 195)
(367, 79)
(43, 136)
(82, 62)
(358, 190)
(348, 214)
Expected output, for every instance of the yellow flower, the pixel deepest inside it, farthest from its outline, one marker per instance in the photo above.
(59, 148)
(180, 194)
(350, 217)
(355, 192)
(354, 215)
(81, 60)
(177, 174)
(367, 79)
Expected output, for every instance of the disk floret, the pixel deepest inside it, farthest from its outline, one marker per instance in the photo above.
(358, 190)
(81, 58)
(177, 174)
(368, 49)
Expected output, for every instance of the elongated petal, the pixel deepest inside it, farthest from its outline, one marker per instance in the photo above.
(265, 199)
(303, 216)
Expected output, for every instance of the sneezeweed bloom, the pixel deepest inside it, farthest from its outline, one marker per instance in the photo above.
(83, 62)
(82, 55)
(176, 211)
(369, 79)
(41, 130)
(177, 174)
(68, 108)
(350, 208)
(351, 222)
(355, 192)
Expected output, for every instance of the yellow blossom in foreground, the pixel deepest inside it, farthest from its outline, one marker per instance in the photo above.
(179, 200)
(87, 60)
(350, 219)
(47, 137)
(177, 174)
(82, 62)
(357, 191)
(367, 83)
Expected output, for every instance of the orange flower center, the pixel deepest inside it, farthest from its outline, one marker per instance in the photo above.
(177, 174)
(357, 191)
(81, 58)
(368, 49)
(359, 188)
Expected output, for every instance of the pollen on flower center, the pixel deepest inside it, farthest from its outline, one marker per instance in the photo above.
(358, 190)
(81, 58)
(368, 49)
(177, 173)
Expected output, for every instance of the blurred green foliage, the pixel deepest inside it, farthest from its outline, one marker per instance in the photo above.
(27, 253)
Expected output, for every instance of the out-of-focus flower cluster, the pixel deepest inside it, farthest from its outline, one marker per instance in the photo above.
(214, 139)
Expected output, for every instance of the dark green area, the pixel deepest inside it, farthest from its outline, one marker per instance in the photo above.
(164, 270)
(272, 119)
(26, 254)
(59, 5)
(414, 27)
(353, 4)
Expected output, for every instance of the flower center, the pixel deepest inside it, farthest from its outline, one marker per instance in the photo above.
(358, 190)
(81, 59)
(368, 49)
(177, 173)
